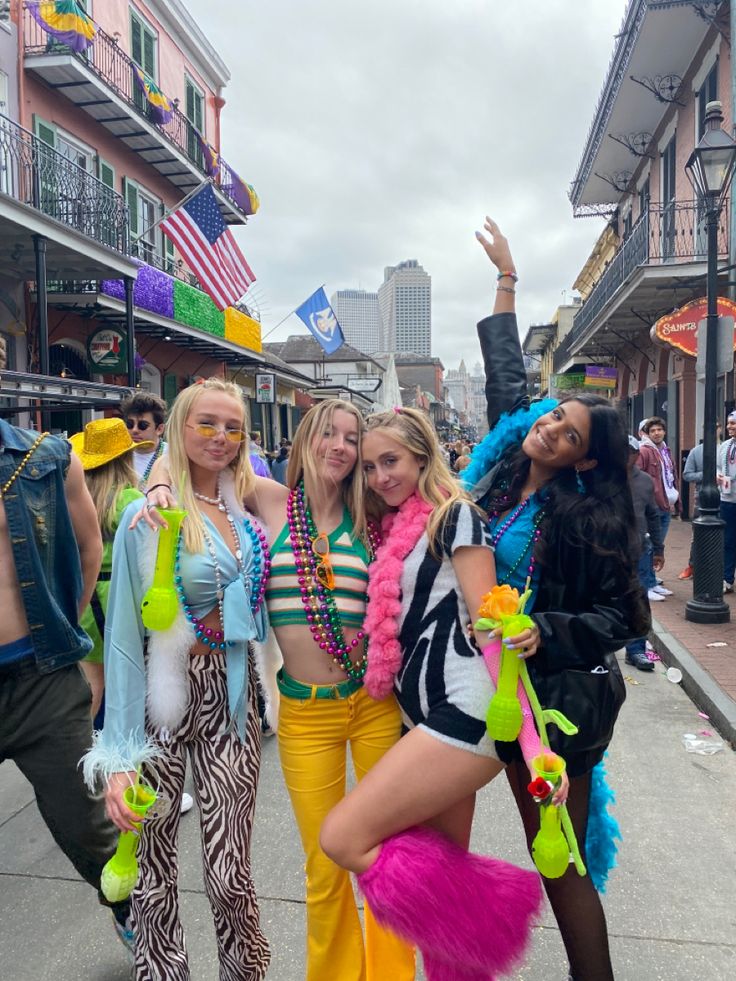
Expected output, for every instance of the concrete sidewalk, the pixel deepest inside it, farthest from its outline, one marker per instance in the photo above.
(669, 904)
(708, 673)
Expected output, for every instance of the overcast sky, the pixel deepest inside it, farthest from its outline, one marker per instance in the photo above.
(386, 131)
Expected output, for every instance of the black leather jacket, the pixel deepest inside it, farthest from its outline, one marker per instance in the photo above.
(582, 616)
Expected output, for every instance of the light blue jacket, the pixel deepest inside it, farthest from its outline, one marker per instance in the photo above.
(153, 689)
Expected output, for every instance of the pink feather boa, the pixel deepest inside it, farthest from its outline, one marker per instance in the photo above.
(402, 530)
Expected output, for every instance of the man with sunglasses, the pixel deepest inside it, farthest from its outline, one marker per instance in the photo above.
(144, 415)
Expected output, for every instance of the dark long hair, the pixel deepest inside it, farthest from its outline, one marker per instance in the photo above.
(601, 519)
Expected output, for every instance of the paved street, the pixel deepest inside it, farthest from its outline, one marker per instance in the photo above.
(671, 903)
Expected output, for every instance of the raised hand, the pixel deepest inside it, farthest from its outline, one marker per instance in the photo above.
(496, 246)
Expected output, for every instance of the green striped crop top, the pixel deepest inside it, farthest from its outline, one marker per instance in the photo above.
(349, 560)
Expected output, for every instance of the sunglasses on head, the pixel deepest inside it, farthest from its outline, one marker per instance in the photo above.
(141, 424)
(207, 431)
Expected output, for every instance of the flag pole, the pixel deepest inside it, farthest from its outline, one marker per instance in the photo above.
(166, 214)
(268, 333)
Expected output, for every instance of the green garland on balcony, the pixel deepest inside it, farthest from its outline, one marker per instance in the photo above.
(195, 308)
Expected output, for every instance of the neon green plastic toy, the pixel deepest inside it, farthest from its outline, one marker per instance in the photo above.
(120, 874)
(503, 607)
(550, 849)
(161, 603)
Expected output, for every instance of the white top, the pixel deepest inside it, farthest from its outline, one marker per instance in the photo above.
(727, 467)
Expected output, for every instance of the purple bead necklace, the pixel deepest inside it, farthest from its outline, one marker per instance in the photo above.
(323, 616)
(502, 527)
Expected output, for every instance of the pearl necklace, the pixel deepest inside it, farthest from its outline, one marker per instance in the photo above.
(261, 566)
(322, 613)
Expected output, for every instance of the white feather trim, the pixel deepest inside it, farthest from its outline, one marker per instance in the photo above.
(268, 661)
(101, 761)
(167, 668)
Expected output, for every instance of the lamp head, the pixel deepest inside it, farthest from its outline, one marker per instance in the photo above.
(710, 166)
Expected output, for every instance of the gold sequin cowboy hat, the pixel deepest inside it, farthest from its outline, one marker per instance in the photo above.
(104, 440)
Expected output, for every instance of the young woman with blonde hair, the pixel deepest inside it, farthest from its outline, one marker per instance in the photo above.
(190, 690)
(105, 449)
(321, 548)
(470, 915)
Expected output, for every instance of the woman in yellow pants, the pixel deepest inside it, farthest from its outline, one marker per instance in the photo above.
(321, 546)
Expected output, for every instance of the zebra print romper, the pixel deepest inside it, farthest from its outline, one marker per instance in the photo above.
(443, 685)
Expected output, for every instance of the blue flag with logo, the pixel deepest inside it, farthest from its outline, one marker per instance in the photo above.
(321, 321)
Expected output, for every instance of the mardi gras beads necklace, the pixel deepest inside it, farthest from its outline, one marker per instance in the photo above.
(501, 527)
(257, 574)
(322, 613)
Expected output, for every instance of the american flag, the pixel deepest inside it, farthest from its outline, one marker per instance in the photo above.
(199, 232)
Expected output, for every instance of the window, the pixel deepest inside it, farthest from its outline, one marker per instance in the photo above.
(644, 197)
(144, 210)
(708, 93)
(74, 151)
(143, 51)
(194, 104)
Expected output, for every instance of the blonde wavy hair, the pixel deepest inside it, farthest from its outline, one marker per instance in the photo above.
(106, 484)
(303, 460)
(437, 485)
(179, 468)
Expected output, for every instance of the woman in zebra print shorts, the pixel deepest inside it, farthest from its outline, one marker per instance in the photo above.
(190, 690)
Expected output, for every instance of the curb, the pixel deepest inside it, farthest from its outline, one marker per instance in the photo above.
(697, 682)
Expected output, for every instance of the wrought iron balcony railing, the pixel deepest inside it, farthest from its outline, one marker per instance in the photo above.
(107, 60)
(664, 234)
(38, 176)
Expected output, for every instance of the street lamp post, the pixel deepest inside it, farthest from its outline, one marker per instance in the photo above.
(710, 171)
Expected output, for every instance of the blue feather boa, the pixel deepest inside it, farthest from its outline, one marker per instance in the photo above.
(508, 431)
(603, 830)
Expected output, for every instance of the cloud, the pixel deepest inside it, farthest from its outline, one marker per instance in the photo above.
(376, 133)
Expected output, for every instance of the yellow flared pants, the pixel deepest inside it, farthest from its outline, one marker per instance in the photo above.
(313, 739)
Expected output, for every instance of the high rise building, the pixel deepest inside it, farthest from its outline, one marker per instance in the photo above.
(405, 305)
(357, 313)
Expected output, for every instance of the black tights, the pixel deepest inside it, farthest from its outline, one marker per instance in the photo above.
(574, 900)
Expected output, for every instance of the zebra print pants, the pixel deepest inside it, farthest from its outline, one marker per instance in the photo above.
(225, 775)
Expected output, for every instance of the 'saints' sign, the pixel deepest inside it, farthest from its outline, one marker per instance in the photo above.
(680, 329)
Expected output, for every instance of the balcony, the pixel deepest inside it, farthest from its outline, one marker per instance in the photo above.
(666, 248)
(84, 222)
(101, 81)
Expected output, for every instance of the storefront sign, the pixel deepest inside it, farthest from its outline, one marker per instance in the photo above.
(107, 351)
(680, 329)
(600, 376)
(265, 388)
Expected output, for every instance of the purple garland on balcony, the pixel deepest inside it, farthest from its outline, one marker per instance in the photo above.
(153, 291)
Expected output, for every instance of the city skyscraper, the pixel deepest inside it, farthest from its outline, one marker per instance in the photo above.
(357, 314)
(405, 306)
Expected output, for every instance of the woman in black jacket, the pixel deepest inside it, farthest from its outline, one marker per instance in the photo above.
(552, 478)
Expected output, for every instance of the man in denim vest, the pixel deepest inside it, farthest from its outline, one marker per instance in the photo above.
(50, 553)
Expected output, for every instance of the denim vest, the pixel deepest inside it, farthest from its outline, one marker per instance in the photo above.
(44, 545)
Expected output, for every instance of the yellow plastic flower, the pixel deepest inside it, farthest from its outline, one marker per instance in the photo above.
(502, 601)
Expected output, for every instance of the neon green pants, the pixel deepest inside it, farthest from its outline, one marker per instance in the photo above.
(313, 740)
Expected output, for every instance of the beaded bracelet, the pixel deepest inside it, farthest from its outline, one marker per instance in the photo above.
(149, 489)
(505, 289)
(508, 275)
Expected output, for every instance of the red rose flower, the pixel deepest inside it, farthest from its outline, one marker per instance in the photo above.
(540, 788)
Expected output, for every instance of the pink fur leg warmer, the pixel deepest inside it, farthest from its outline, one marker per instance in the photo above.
(466, 910)
(437, 970)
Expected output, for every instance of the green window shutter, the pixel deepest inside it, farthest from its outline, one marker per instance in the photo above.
(130, 193)
(136, 40)
(190, 102)
(44, 131)
(170, 389)
(105, 173)
(149, 54)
